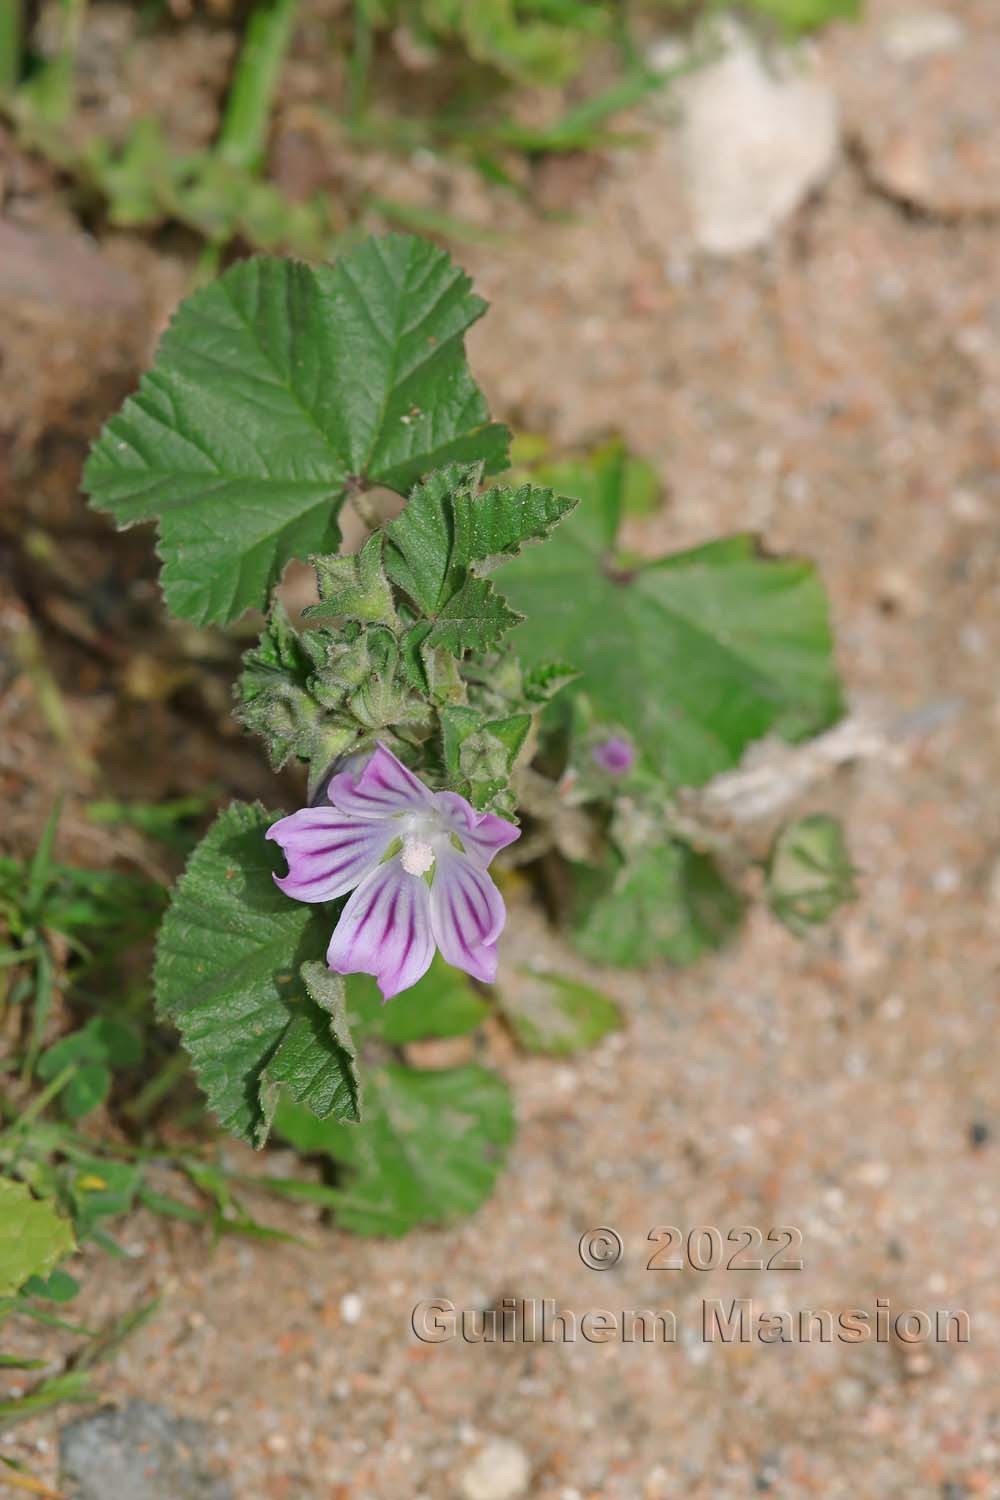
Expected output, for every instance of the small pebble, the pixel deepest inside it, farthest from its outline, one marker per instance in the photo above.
(351, 1307)
(500, 1471)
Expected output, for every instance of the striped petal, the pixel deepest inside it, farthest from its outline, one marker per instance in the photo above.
(385, 930)
(482, 834)
(384, 787)
(467, 915)
(327, 853)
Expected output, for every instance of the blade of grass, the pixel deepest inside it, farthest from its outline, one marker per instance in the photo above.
(163, 1083)
(44, 995)
(51, 1320)
(110, 1341)
(41, 863)
(40, 1102)
(71, 1386)
(243, 137)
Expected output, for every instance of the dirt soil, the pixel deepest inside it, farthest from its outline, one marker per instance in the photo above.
(839, 392)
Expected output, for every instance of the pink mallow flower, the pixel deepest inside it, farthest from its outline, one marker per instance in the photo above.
(416, 861)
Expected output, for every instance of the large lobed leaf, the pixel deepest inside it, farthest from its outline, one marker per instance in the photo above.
(696, 655)
(227, 974)
(275, 389)
(429, 1150)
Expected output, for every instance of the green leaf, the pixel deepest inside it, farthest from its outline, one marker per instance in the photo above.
(809, 873)
(695, 655)
(543, 681)
(89, 1087)
(33, 1238)
(441, 1004)
(227, 963)
(474, 619)
(58, 1286)
(610, 481)
(315, 1063)
(448, 529)
(103, 1040)
(429, 1149)
(668, 903)
(354, 588)
(275, 389)
(557, 1015)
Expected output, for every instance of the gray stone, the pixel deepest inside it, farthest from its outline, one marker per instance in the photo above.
(137, 1452)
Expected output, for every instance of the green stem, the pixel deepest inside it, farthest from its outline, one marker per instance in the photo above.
(34, 1109)
(245, 125)
(11, 42)
(361, 59)
(158, 1087)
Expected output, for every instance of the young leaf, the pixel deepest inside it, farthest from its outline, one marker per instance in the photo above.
(486, 760)
(448, 530)
(354, 587)
(475, 618)
(275, 695)
(275, 389)
(669, 903)
(227, 964)
(33, 1238)
(429, 1150)
(695, 655)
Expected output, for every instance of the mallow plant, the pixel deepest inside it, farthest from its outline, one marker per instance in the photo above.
(490, 681)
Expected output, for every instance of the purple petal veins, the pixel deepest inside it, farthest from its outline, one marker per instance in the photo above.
(482, 834)
(467, 915)
(327, 853)
(431, 891)
(384, 787)
(385, 930)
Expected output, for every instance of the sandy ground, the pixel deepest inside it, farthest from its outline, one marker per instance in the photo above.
(839, 392)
